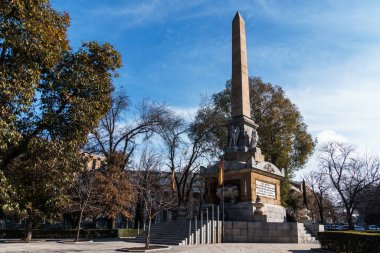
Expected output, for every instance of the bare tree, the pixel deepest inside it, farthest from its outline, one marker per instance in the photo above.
(187, 149)
(320, 185)
(154, 188)
(83, 197)
(117, 138)
(349, 173)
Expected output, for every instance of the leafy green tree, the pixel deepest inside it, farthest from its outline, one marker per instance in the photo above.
(32, 40)
(284, 139)
(293, 204)
(46, 90)
(50, 98)
(39, 181)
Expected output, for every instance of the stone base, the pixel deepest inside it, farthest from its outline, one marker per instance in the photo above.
(264, 232)
(248, 232)
(260, 218)
(275, 213)
(244, 211)
(234, 154)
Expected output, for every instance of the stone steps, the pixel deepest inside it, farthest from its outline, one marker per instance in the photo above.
(306, 236)
(168, 233)
(177, 233)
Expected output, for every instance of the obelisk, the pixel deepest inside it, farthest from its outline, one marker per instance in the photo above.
(247, 177)
(242, 134)
(240, 86)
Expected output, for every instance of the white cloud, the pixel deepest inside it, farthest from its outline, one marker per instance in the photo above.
(330, 136)
(324, 136)
(332, 16)
(150, 11)
(188, 113)
(344, 99)
(340, 102)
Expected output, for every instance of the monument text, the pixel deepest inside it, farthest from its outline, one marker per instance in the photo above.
(265, 190)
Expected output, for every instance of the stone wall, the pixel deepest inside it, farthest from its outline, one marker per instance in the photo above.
(274, 213)
(243, 211)
(258, 232)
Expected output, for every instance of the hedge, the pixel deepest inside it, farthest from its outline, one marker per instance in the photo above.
(350, 241)
(68, 233)
(372, 231)
(128, 232)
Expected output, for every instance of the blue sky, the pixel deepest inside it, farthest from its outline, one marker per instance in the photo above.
(325, 54)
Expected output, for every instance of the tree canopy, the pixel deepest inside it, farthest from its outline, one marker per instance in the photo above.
(51, 97)
(284, 139)
(47, 90)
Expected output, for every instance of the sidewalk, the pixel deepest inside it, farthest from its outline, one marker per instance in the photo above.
(111, 246)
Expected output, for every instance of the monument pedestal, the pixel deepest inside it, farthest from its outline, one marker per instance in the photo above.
(260, 218)
(243, 156)
(244, 211)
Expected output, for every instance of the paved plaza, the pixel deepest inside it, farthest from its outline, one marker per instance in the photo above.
(112, 246)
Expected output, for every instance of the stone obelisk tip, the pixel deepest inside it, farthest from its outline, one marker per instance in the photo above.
(240, 86)
(238, 17)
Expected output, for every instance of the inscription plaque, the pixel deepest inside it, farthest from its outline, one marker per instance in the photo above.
(265, 190)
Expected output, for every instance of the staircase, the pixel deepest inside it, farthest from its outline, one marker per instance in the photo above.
(168, 233)
(177, 233)
(304, 236)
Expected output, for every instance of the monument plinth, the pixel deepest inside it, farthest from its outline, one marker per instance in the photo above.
(246, 174)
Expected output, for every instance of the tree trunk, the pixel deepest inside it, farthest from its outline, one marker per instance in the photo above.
(349, 220)
(179, 196)
(321, 216)
(113, 223)
(28, 231)
(147, 237)
(78, 225)
(138, 213)
(29, 227)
